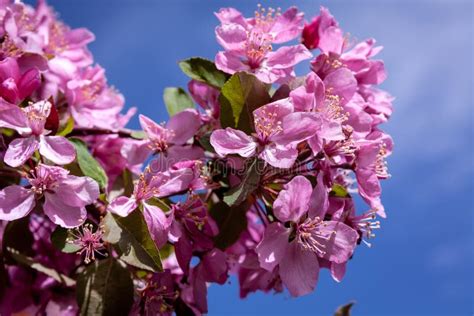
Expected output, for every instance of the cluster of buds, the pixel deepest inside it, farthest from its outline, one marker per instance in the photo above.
(258, 180)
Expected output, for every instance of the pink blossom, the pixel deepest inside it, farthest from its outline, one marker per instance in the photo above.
(178, 131)
(171, 140)
(90, 242)
(326, 99)
(248, 43)
(365, 224)
(371, 166)
(29, 122)
(296, 249)
(65, 48)
(211, 268)
(151, 185)
(324, 33)
(243, 260)
(157, 295)
(115, 154)
(379, 103)
(192, 229)
(319, 137)
(18, 25)
(16, 86)
(358, 59)
(278, 131)
(39, 32)
(65, 196)
(207, 98)
(253, 278)
(93, 103)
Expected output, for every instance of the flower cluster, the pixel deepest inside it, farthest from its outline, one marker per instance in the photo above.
(255, 174)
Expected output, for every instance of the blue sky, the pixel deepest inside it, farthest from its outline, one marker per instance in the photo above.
(421, 262)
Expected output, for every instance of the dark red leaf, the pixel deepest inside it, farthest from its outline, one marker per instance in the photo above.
(52, 122)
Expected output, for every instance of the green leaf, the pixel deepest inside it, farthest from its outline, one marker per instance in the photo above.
(166, 251)
(7, 132)
(339, 191)
(162, 203)
(248, 185)
(282, 92)
(177, 100)
(132, 239)
(89, 166)
(203, 70)
(138, 134)
(59, 239)
(105, 288)
(13, 230)
(240, 96)
(123, 185)
(344, 310)
(205, 141)
(232, 221)
(61, 278)
(67, 128)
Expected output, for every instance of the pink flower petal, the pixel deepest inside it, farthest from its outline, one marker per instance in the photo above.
(205, 96)
(231, 15)
(332, 40)
(342, 83)
(287, 56)
(229, 62)
(272, 247)
(319, 202)
(184, 125)
(122, 206)
(279, 156)
(310, 95)
(29, 82)
(172, 182)
(78, 191)
(152, 129)
(9, 90)
(20, 150)
(157, 222)
(293, 201)
(231, 37)
(214, 266)
(299, 270)
(271, 113)
(15, 202)
(9, 69)
(231, 141)
(370, 189)
(375, 74)
(338, 270)
(62, 214)
(316, 144)
(331, 130)
(13, 117)
(340, 246)
(297, 127)
(184, 252)
(57, 149)
(287, 26)
(80, 37)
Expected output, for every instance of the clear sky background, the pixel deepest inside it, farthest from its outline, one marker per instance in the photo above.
(421, 262)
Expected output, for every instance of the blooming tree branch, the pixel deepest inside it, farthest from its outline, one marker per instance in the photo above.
(254, 174)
